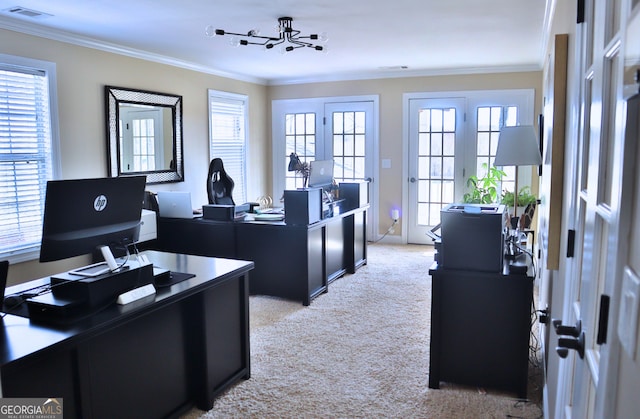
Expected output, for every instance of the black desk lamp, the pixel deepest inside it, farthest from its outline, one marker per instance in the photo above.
(295, 164)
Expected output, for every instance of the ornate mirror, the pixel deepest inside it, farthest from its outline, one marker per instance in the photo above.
(144, 131)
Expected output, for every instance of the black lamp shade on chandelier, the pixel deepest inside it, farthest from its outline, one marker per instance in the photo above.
(288, 37)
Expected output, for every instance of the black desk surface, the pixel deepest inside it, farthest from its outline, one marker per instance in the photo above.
(21, 337)
(522, 258)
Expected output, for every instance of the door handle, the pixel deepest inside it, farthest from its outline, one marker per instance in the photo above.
(577, 344)
(412, 180)
(564, 330)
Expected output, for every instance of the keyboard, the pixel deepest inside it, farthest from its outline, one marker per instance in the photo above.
(35, 291)
(278, 211)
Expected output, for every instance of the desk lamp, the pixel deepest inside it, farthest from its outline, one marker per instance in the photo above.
(517, 146)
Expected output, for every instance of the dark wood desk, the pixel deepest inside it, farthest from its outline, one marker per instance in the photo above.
(152, 358)
(296, 262)
(480, 328)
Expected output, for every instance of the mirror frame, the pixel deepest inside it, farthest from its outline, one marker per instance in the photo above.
(114, 96)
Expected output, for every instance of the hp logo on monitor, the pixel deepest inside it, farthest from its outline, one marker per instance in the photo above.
(100, 203)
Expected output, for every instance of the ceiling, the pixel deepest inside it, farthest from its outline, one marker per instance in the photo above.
(367, 38)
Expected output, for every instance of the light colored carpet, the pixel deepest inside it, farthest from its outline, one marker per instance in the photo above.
(359, 351)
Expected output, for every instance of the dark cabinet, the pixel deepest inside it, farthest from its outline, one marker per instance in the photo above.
(293, 261)
(289, 261)
(480, 329)
(152, 358)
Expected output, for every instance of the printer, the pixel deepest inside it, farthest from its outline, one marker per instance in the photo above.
(473, 237)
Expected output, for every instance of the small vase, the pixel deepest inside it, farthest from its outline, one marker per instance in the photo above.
(525, 215)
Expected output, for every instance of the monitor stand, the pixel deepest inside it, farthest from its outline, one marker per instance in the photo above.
(91, 271)
(87, 293)
(100, 268)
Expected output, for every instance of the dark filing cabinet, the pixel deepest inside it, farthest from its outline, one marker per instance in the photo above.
(480, 315)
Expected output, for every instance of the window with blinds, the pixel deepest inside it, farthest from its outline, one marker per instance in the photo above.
(228, 137)
(26, 157)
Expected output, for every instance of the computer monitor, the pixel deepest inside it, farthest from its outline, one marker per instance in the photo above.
(320, 173)
(82, 215)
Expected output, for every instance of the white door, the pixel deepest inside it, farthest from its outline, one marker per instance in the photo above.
(451, 138)
(436, 168)
(589, 373)
(350, 141)
(142, 134)
(342, 129)
(599, 218)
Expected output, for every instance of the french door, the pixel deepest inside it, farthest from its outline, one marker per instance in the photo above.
(342, 129)
(436, 165)
(141, 140)
(451, 137)
(607, 229)
(349, 139)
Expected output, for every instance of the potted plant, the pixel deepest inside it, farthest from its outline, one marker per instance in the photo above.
(484, 190)
(524, 197)
(526, 204)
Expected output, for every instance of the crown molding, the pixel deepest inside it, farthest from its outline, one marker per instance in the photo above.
(404, 74)
(83, 41)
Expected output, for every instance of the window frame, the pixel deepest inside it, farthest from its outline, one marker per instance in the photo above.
(240, 182)
(32, 252)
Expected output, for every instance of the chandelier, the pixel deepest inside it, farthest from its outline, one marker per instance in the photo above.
(288, 37)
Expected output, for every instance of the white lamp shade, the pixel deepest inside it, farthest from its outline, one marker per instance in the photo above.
(518, 146)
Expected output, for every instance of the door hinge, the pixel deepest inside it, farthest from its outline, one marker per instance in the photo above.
(324, 120)
(603, 320)
(571, 242)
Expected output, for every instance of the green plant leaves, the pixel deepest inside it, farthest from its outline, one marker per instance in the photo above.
(484, 190)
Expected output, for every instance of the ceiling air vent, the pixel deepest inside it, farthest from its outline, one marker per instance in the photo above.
(23, 11)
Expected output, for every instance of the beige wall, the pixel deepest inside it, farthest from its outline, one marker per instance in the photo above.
(390, 92)
(82, 74)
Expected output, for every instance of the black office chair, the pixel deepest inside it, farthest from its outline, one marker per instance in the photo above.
(150, 201)
(219, 184)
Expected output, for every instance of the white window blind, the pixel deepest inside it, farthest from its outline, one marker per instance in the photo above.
(25, 157)
(228, 137)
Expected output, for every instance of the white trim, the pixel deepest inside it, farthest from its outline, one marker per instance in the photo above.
(373, 75)
(56, 166)
(212, 93)
(50, 69)
(83, 41)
